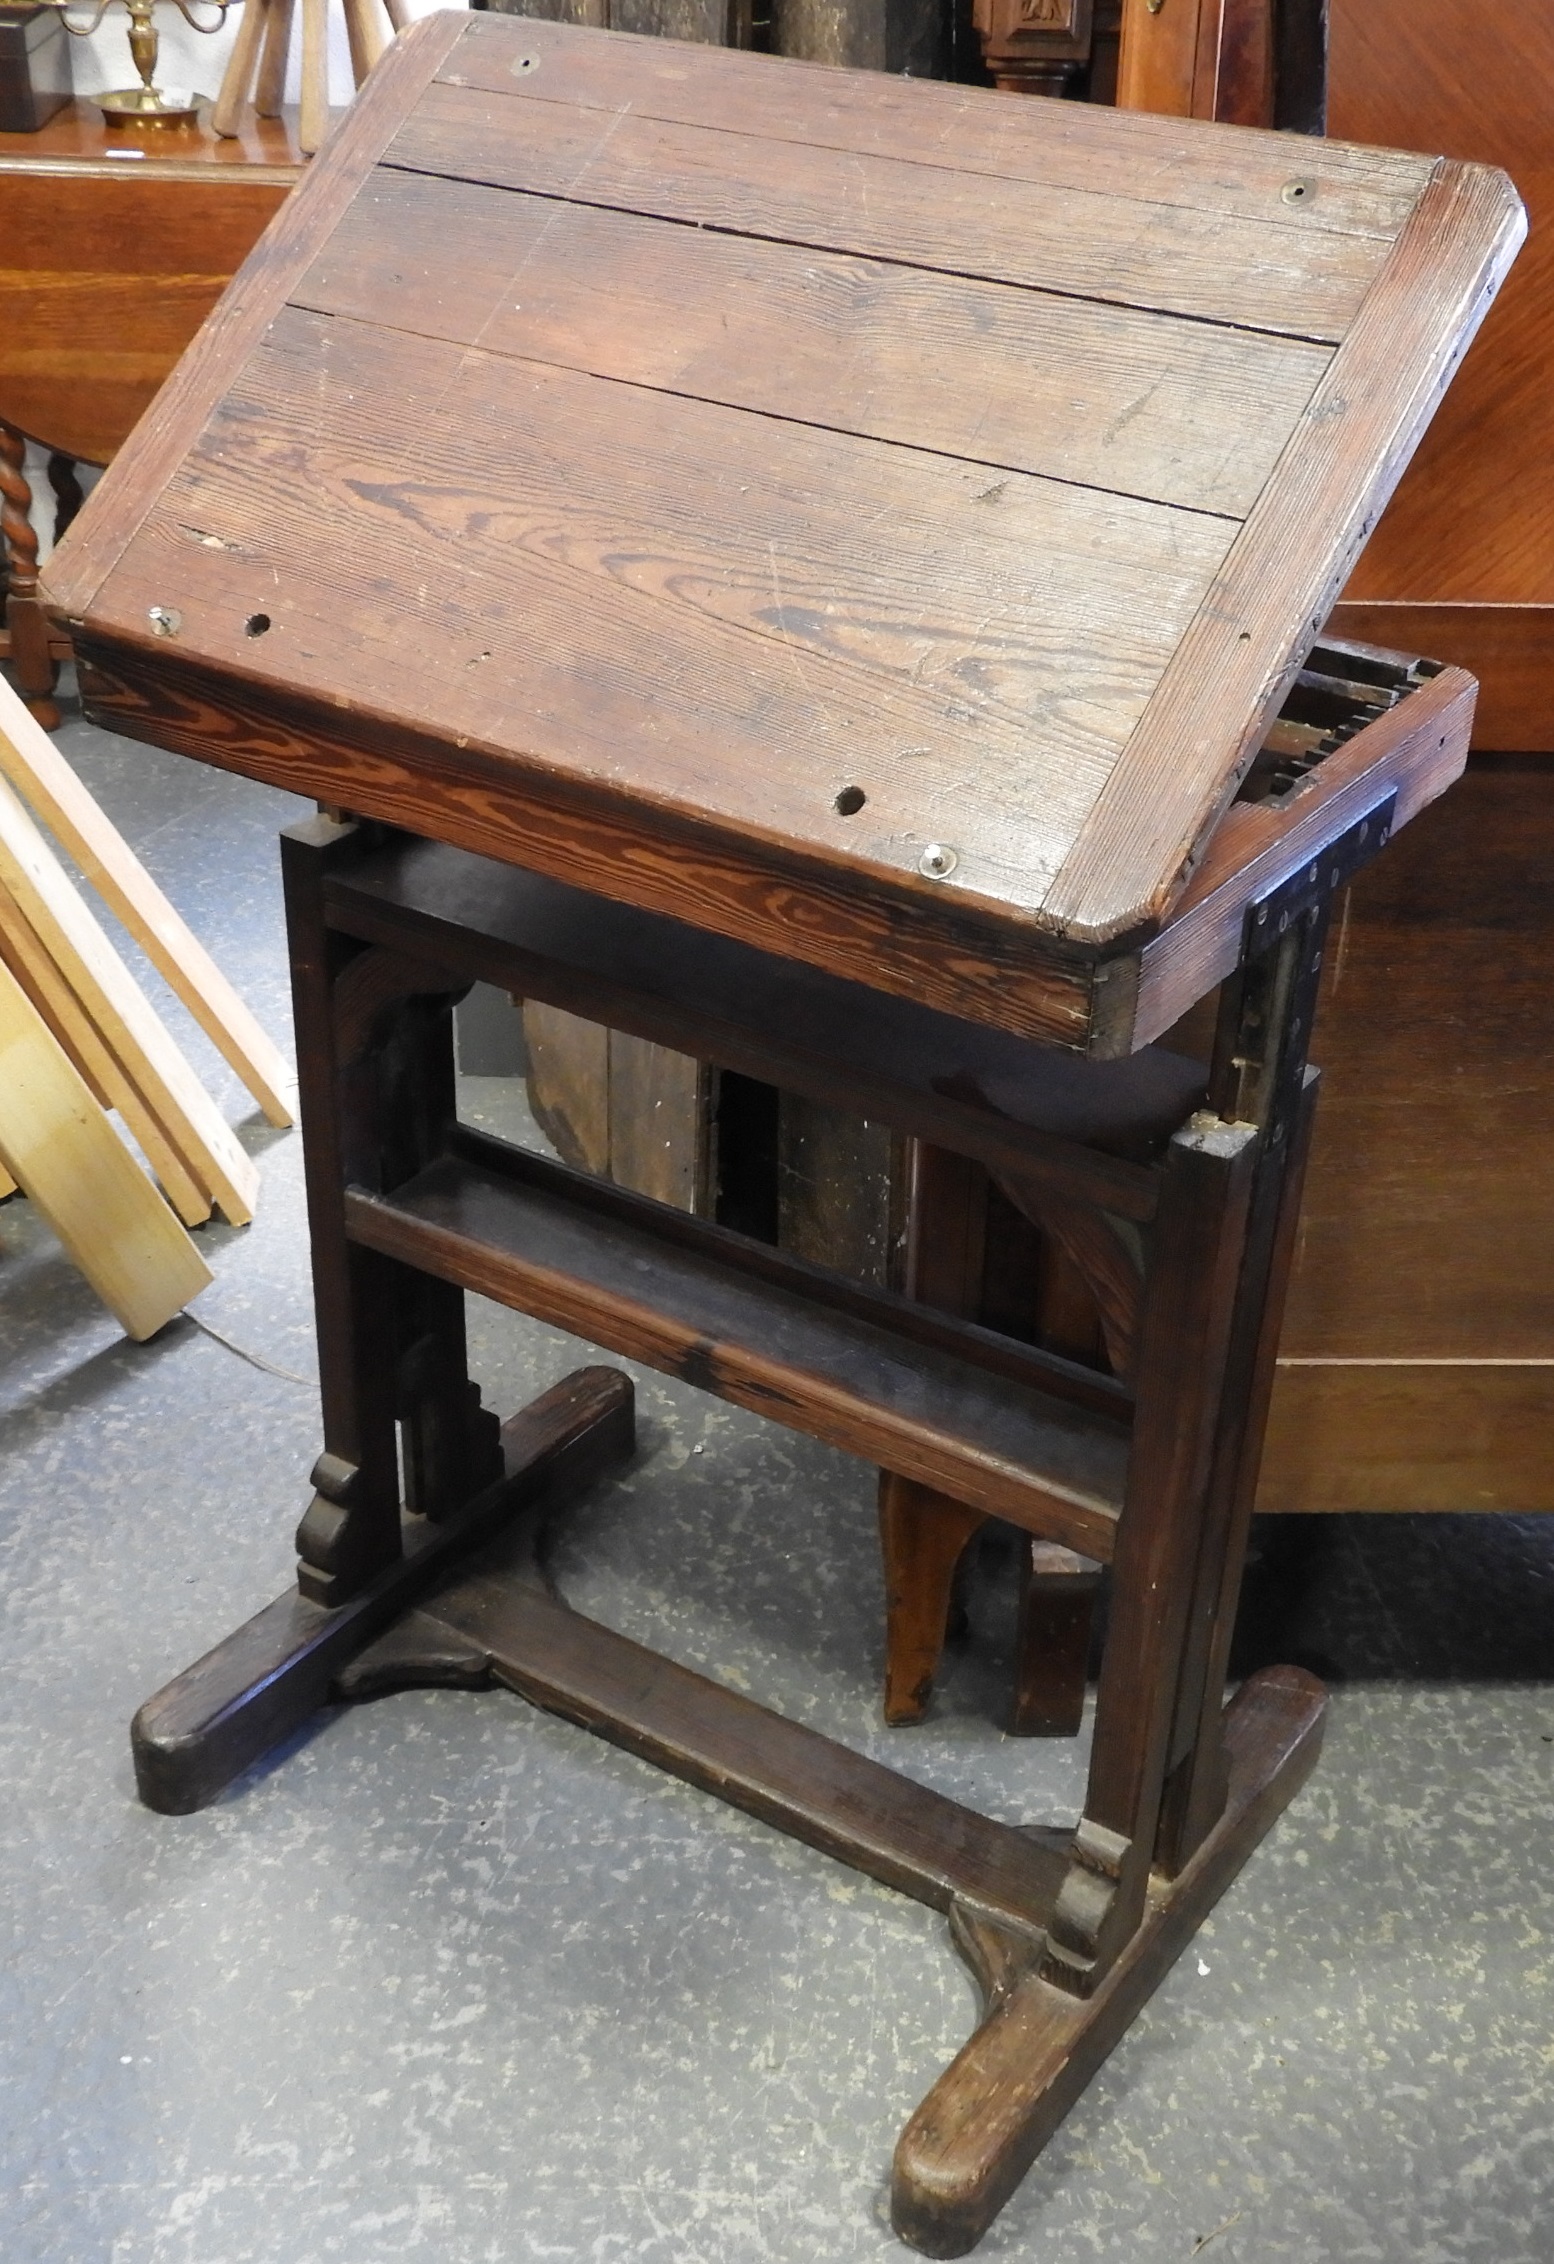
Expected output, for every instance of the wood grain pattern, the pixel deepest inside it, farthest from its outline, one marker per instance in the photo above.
(1014, 1453)
(916, 944)
(774, 640)
(981, 1092)
(849, 1806)
(103, 282)
(1509, 648)
(1345, 456)
(1140, 404)
(1255, 273)
(954, 128)
(1473, 82)
(254, 295)
(672, 599)
(987, 2118)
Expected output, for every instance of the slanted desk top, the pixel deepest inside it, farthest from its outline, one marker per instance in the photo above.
(875, 520)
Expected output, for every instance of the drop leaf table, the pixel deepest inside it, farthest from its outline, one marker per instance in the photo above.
(588, 493)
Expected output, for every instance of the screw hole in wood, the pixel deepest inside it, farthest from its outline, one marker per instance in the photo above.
(256, 624)
(849, 802)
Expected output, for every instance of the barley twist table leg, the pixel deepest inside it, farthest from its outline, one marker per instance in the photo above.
(28, 639)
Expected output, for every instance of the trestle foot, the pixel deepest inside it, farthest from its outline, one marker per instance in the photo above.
(222, 1714)
(987, 2118)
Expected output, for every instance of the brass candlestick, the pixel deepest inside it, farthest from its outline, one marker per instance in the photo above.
(146, 104)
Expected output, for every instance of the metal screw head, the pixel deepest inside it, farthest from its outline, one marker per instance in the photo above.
(164, 620)
(937, 862)
(1298, 192)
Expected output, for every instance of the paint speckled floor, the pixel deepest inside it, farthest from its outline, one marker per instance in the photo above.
(452, 1981)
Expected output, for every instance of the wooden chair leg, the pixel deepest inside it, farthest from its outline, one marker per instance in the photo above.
(923, 1536)
(270, 80)
(1058, 1589)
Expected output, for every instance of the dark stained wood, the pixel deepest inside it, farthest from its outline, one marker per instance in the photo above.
(261, 1684)
(924, 1533)
(838, 1182)
(351, 1529)
(695, 1303)
(634, 1112)
(929, 732)
(994, 2108)
(1058, 1591)
(531, 1642)
(1198, 1237)
(1020, 1107)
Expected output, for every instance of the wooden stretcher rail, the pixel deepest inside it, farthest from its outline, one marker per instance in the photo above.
(884, 1824)
(741, 1322)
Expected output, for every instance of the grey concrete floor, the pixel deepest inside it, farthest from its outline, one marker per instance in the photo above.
(451, 1980)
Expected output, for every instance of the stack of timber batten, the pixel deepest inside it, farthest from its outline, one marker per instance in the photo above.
(78, 1037)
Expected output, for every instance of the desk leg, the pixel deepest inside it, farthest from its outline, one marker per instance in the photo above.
(376, 1085)
(1266, 1020)
(1182, 1376)
(30, 649)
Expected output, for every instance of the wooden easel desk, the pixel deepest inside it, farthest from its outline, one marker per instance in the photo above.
(584, 490)
(114, 246)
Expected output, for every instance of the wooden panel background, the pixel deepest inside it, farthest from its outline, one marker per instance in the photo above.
(1424, 1279)
(1472, 526)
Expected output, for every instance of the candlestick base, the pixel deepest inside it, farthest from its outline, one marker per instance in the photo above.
(149, 106)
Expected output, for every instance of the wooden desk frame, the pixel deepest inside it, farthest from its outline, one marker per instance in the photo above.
(1155, 1473)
